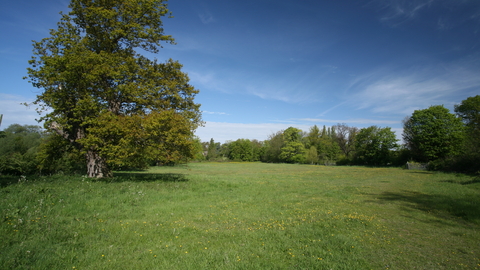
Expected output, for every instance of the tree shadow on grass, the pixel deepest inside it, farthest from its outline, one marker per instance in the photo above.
(420, 171)
(469, 182)
(147, 177)
(6, 180)
(450, 208)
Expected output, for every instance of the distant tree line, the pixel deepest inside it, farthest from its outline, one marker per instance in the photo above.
(444, 140)
(339, 144)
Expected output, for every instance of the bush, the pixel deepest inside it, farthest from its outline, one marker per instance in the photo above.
(18, 149)
(55, 155)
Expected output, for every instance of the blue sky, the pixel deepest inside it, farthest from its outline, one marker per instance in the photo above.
(263, 65)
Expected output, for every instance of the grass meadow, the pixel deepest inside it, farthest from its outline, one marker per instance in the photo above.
(242, 216)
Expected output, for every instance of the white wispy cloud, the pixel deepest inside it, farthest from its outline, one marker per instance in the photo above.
(209, 80)
(402, 93)
(296, 87)
(352, 121)
(218, 113)
(396, 12)
(206, 16)
(293, 95)
(299, 91)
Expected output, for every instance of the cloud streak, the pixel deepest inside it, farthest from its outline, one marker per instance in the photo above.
(206, 17)
(352, 121)
(396, 12)
(218, 113)
(415, 89)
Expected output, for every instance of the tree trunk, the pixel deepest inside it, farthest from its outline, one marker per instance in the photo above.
(96, 165)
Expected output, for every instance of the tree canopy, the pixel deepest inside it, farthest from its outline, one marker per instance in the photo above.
(433, 133)
(373, 145)
(110, 102)
(293, 150)
(469, 111)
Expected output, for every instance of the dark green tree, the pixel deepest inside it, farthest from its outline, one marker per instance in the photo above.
(374, 145)
(212, 152)
(258, 149)
(273, 147)
(345, 137)
(469, 111)
(241, 150)
(18, 149)
(327, 147)
(433, 134)
(115, 106)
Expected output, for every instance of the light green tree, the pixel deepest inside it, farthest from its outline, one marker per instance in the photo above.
(293, 150)
(312, 155)
(100, 94)
(313, 137)
(212, 152)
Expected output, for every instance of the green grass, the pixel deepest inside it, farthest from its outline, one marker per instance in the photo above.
(242, 216)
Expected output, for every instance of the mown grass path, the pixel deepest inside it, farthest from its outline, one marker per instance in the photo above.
(243, 216)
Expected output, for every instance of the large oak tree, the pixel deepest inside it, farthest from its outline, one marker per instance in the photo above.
(116, 106)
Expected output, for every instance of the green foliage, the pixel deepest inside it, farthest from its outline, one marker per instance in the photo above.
(292, 134)
(313, 137)
(469, 112)
(57, 156)
(433, 133)
(242, 150)
(273, 147)
(374, 145)
(18, 149)
(345, 137)
(312, 155)
(258, 149)
(328, 149)
(324, 142)
(212, 150)
(293, 150)
(198, 149)
(112, 104)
